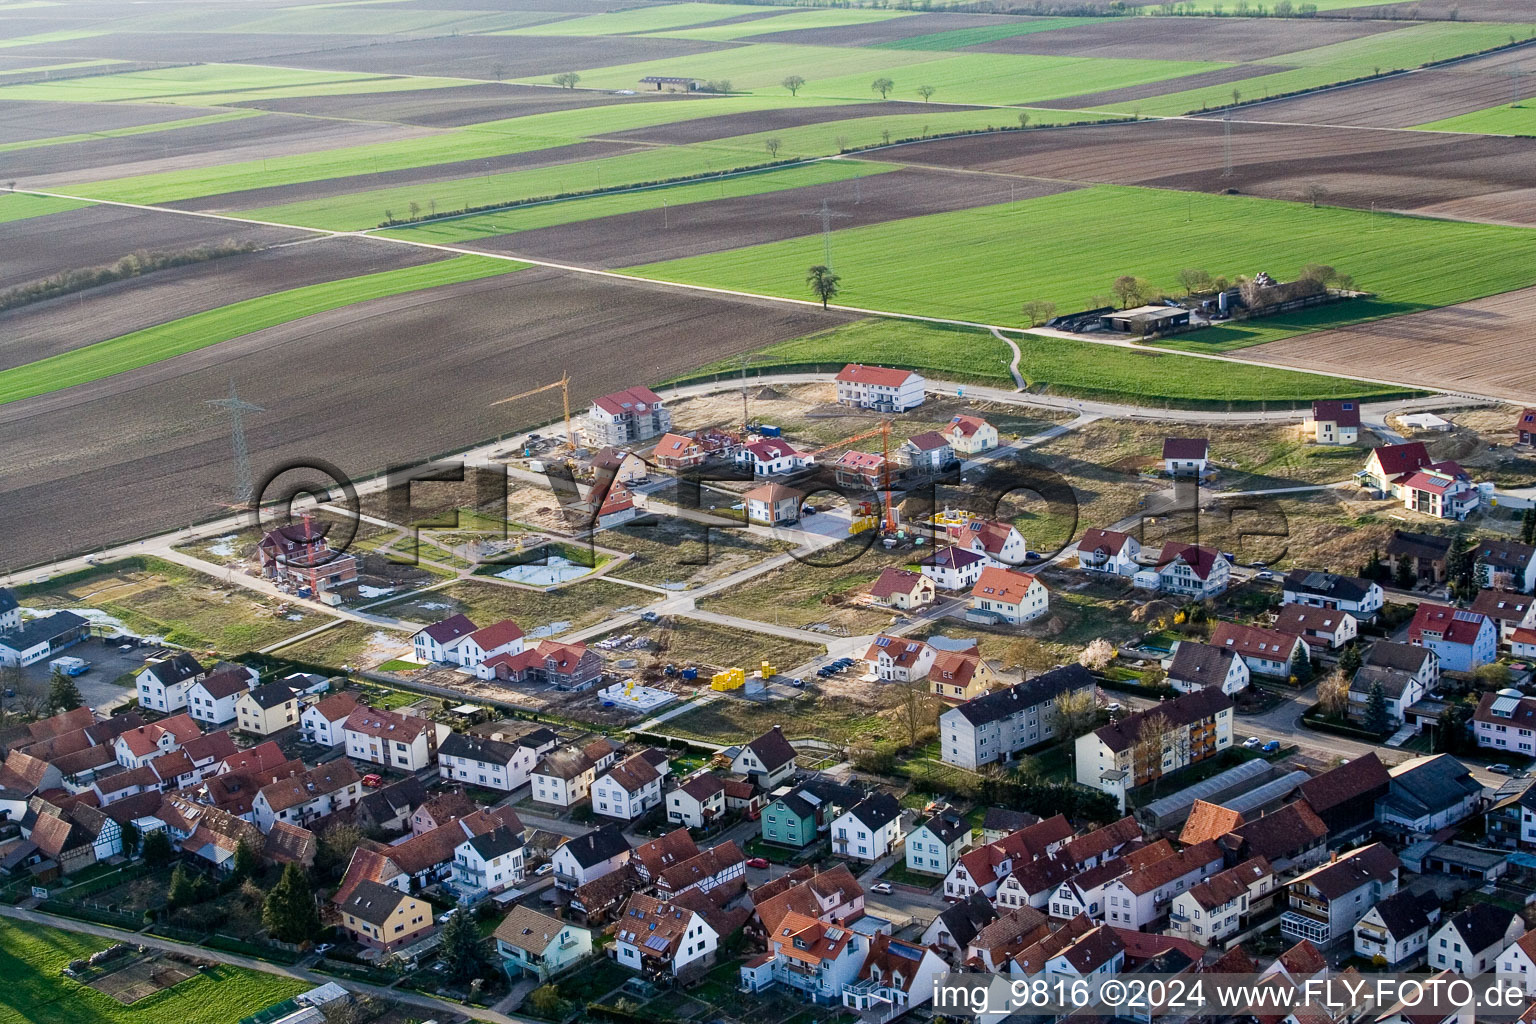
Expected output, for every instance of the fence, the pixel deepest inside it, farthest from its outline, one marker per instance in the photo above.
(97, 913)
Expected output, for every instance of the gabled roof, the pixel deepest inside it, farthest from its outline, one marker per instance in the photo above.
(1081, 849)
(965, 425)
(1327, 584)
(1350, 871)
(1300, 620)
(1201, 664)
(1426, 785)
(1186, 448)
(633, 773)
(952, 557)
(226, 683)
(498, 842)
(632, 399)
(1254, 641)
(476, 748)
(878, 376)
(526, 929)
(947, 826)
(1012, 932)
(1110, 542)
(1364, 777)
(896, 581)
(336, 707)
(876, 810)
(1502, 605)
(175, 669)
(596, 846)
(1481, 925)
(386, 724)
(1454, 625)
(317, 782)
(928, 441)
(653, 927)
(1008, 586)
(271, 695)
(450, 629)
(1092, 951)
(1046, 687)
(1161, 872)
(497, 634)
(1343, 412)
(1405, 912)
(965, 919)
(373, 902)
(1400, 459)
(1504, 554)
(1183, 710)
(289, 844)
(772, 749)
(1200, 560)
(674, 446)
(703, 787)
(1302, 960)
(1007, 819)
(1221, 889)
(1280, 834)
(711, 863)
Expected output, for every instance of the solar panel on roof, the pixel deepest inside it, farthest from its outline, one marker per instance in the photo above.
(905, 952)
(656, 942)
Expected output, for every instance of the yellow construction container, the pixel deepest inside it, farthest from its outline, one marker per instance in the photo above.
(861, 524)
(766, 670)
(730, 679)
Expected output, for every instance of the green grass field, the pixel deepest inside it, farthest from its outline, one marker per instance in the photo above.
(1395, 50)
(956, 39)
(1504, 119)
(1055, 365)
(139, 129)
(981, 264)
(847, 72)
(568, 211)
(212, 84)
(200, 330)
(643, 19)
(31, 957)
(792, 20)
(369, 209)
(20, 206)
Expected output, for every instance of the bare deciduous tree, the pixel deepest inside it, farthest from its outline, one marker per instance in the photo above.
(1147, 751)
(1038, 311)
(917, 710)
(926, 92)
(883, 86)
(793, 83)
(1333, 694)
(567, 79)
(1029, 655)
(1193, 280)
(1073, 713)
(772, 146)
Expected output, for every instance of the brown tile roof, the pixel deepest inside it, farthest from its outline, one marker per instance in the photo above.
(1303, 960)
(262, 757)
(386, 724)
(211, 746)
(654, 927)
(709, 864)
(1254, 641)
(1032, 959)
(893, 581)
(1081, 849)
(526, 929)
(1182, 711)
(1208, 821)
(23, 772)
(367, 864)
(1364, 776)
(1281, 833)
(1374, 863)
(1230, 884)
(320, 780)
(633, 773)
(1012, 933)
(665, 851)
(772, 749)
(336, 707)
(290, 844)
(605, 891)
(51, 835)
(1009, 586)
(1161, 872)
(1185, 447)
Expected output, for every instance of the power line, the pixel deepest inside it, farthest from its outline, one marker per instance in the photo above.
(826, 215)
(1226, 144)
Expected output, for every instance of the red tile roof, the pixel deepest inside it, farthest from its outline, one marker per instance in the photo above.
(894, 581)
(1200, 560)
(1397, 460)
(1454, 625)
(879, 376)
(1341, 412)
(1006, 585)
(497, 634)
(635, 399)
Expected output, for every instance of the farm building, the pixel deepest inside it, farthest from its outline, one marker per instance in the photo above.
(1146, 320)
(38, 638)
(670, 83)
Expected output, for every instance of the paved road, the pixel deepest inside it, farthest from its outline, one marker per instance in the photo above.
(426, 1002)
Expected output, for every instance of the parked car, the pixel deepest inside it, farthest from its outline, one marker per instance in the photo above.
(1500, 769)
(373, 781)
(1271, 746)
(649, 617)
(1251, 742)
(1114, 708)
(884, 888)
(761, 863)
(1265, 574)
(544, 869)
(445, 915)
(324, 948)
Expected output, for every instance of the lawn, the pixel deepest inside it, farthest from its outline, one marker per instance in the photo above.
(802, 594)
(138, 129)
(1055, 365)
(993, 258)
(685, 642)
(847, 72)
(190, 333)
(152, 597)
(567, 211)
(539, 614)
(31, 957)
(674, 552)
(20, 206)
(1504, 119)
(212, 84)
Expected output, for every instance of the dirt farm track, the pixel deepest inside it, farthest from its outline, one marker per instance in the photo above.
(364, 387)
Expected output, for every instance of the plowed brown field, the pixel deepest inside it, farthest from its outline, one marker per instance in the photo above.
(456, 105)
(394, 380)
(1483, 347)
(517, 56)
(1185, 38)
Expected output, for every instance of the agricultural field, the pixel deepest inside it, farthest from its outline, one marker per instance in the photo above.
(209, 85)
(178, 337)
(31, 957)
(153, 597)
(541, 614)
(1504, 119)
(1409, 263)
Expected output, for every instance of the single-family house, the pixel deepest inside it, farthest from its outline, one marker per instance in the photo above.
(1138, 898)
(771, 457)
(324, 722)
(1505, 563)
(135, 748)
(901, 589)
(1404, 672)
(1509, 610)
(767, 760)
(869, 829)
(678, 452)
(697, 802)
(935, 845)
(953, 568)
(384, 918)
(486, 763)
(491, 860)
(1396, 929)
(1008, 595)
(1110, 552)
(796, 817)
(1361, 598)
(970, 435)
(773, 504)
(1000, 543)
(1268, 652)
(1424, 553)
(925, 453)
(1192, 571)
(592, 855)
(166, 679)
(1470, 942)
(1324, 904)
(1196, 666)
(269, 708)
(1461, 639)
(898, 658)
(439, 642)
(961, 675)
(215, 698)
(1321, 629)
(665, 942)
(563, 777)
(1334, 421)
(299, 554)
(632, 787)
(1506, 721)
(862, 473)
(897, 976)
(1216, 909)
(535, 945)
(1518, 961)
(1186, 456)
(303, 799)
(1388, 467)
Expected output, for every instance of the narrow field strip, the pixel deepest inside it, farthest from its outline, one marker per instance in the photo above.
(642, 19)
(188, 334)
(20, 206)
(570, 211)
(793, 20)
(1504, 119)
(212, 84)
(957, 39)
(138, 129)
(981, 264)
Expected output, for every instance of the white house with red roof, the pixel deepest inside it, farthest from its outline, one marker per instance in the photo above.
(1110, 552)
(300, 554)
(1334, 421)
(902, 589)
(1186, 456)
(440, 641)
(772, 504)
(1387, 467)
(623, 417)
(1193, 570)
(137, 747)
(970, 435)
(566, 666)
(953, 568)
(1463, 639)
(677, 451)
(1010, 596)
(1267, 652)
(881, 388)
(1000, 543)
(1443, 491)
(393, 739)
(504, 637)
(771, 457)
(899, 658)
(323, 722)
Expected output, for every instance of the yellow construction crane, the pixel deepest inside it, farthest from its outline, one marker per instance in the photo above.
(564, 384)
